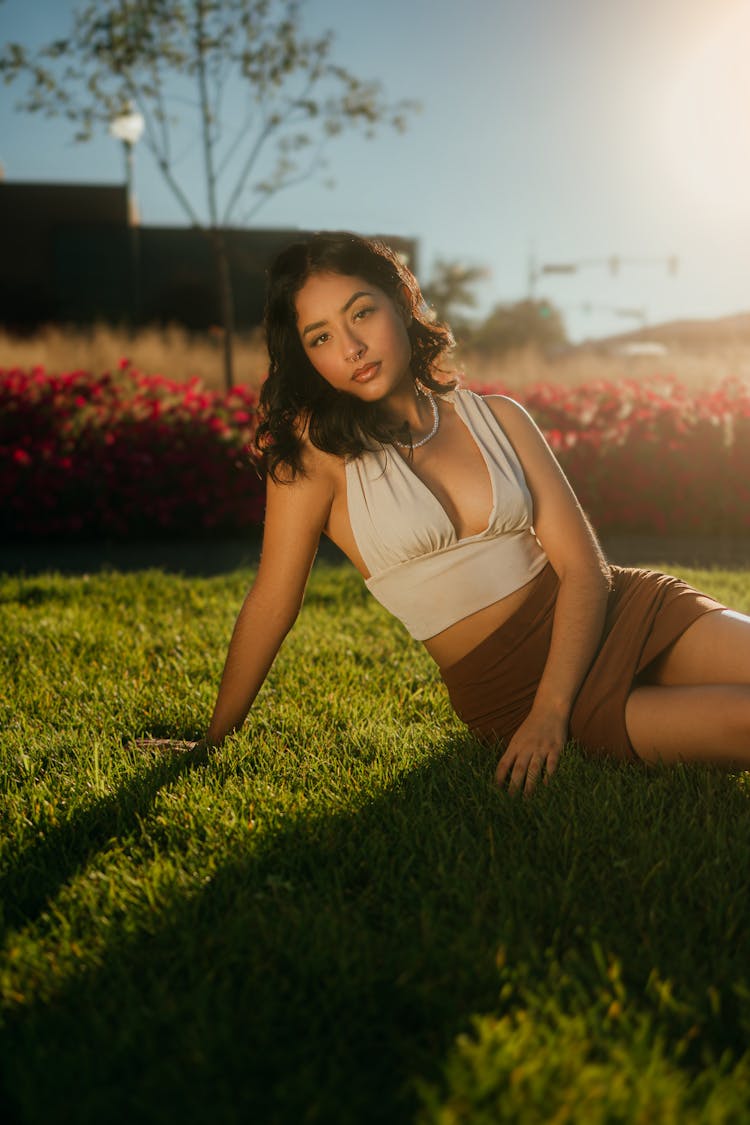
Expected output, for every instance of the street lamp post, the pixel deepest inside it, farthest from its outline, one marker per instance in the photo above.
(127, 127)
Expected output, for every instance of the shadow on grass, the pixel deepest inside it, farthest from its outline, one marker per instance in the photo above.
(43, 867)
(205, 557)
(333, 959)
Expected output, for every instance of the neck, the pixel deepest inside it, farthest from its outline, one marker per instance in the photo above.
(408, 405)
(415, 441)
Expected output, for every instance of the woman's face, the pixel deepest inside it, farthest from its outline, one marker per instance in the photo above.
(354, 335)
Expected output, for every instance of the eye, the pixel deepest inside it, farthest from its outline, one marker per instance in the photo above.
(361, 313)
(321, 339)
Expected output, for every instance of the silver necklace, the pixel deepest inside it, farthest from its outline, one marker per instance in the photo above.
(433, 431)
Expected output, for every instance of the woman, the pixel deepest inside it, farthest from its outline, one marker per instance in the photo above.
(455, 512)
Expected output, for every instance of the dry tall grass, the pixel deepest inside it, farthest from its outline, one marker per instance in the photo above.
(585, 364)
(172, 352)
(178, 354)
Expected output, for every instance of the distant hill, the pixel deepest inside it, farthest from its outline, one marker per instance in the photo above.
(678, 335)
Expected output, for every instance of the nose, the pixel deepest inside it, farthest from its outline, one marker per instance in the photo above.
(353, 347)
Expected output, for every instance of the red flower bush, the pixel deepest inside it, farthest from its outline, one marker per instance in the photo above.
(126, 454)
(650, 456)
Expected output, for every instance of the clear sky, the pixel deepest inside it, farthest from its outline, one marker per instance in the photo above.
(576, 129)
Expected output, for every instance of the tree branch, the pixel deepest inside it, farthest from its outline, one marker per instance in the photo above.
(273, 122)
(247, 168)
(291, 181)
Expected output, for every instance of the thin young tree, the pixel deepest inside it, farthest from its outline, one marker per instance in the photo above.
(188, 64)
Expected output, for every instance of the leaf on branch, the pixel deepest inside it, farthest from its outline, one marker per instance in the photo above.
(310, 107)
(294, 142)
(58, 48)
(12, 61)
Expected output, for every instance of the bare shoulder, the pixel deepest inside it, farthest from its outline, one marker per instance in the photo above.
(509, 412)
(299, 503)
(298, 507)
(320, 471)
(522, 432)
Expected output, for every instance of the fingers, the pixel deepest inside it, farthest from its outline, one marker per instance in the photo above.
(525, 774)
(195, 753)
(173, 745)
(551, 765)
(515, 767)
(503, 766)
(523, 771)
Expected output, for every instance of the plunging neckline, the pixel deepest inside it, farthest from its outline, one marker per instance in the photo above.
(493, 507)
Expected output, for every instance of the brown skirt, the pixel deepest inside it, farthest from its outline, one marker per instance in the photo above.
(492, 688)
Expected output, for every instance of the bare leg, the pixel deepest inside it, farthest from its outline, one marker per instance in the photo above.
(693, 703)
(708, 723)
(715, 649)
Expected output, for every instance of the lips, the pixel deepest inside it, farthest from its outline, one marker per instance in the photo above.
(364, 374)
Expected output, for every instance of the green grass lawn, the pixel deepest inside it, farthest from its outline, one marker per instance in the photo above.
(337, 917)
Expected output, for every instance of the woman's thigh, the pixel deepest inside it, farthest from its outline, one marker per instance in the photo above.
(708, 723)
(715, 649)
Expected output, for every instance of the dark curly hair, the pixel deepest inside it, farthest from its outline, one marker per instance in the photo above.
(294, 395)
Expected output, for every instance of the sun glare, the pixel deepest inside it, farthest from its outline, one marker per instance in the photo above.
(707, 118)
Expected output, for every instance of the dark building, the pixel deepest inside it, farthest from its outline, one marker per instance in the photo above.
(68, 254)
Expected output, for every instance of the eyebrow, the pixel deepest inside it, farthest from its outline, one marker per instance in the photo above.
(354, 297)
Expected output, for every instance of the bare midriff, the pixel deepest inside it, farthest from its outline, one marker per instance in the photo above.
(457, 640)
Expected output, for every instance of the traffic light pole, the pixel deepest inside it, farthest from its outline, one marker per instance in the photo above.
(614, 263)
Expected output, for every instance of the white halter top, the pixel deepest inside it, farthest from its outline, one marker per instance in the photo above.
(419, 569)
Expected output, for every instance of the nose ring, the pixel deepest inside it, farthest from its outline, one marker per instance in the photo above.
(355, 355)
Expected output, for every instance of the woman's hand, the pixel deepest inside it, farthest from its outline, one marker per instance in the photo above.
(533, 750)
(196, 751)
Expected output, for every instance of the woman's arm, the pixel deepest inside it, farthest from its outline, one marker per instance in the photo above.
(296, 514)
(576, 557)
